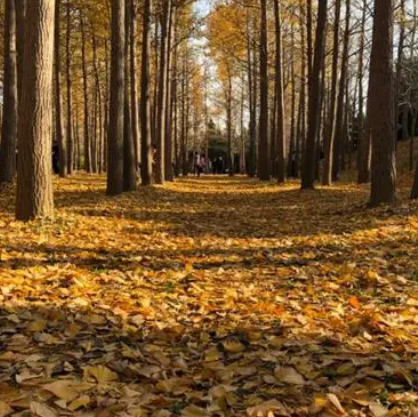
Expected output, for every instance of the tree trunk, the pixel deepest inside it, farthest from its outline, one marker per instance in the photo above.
(10, 97)
(308, 175)
(87, 145)
(331, 128)
(70, 138)
(59, 122)
(383, 188)
(129, 158)
(263, 163)
(341, 103)
(146, 146)
(34, 184)
(280, 128)
(117, 92)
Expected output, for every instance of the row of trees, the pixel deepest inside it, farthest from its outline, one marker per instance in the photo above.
(121, 88)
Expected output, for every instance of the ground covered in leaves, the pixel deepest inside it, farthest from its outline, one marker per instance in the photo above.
(209, 297)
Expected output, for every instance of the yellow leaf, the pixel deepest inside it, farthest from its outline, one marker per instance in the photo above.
(5, 409)
(336, 402)
(82, 401)
(267, 409)
(42, 410)
(101, 374)
(194, 411)
(212, 355)
(62, 389)
(233, 346)
(289, 376)
(377, 409)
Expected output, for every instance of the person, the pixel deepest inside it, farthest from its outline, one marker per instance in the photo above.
(197, 164)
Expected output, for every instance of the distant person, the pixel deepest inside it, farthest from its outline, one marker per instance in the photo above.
(221, 165)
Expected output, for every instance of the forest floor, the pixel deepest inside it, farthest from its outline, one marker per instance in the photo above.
(210, 297)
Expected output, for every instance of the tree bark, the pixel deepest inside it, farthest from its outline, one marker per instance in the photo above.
(10, 97)
(263, 163)
(59, 122)
(34, 184)
(383, 180)
(117, 93)
(280, 128)
(330, 131)
(146, 146)
(308, 174)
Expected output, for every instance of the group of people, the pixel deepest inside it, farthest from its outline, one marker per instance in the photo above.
(204, 165)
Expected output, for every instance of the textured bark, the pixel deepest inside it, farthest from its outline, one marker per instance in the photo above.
(263, 163)
(117, 92)
(59, 122)
(146, 146)
(134, 81)
(252, 122)
(308, 174)
(129, 158)
(363, 170)
(383, 187)
(330, 131)
(341, 103)
(280, 127)
(10, 99)
(168, 155)
(162, 94)
(34, 184)
(87, 144)
(70, 138)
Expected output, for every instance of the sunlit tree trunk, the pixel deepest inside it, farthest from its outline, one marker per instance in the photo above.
(34, 184)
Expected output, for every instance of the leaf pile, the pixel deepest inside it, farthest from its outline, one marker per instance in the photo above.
(211, 297)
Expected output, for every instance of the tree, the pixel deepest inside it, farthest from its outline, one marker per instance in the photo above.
(314, 110)
(263, 162)
(59, 122)
(146, 146)
(117, 96)
(34, 183)
(332, 127)
(383, 168)
(10, 97)
(280, 108)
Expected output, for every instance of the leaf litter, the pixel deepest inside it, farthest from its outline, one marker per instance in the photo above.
(212, 297)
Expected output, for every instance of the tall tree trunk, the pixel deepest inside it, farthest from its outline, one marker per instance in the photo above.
(360, 117)
(129, 158)
(331, 128)
(162, 96)
(70, 138)
(146, 146)
(59, 122)
(87, 144)
(398, 71)
(134, 82)
(308, 175)
(168, 156)
(293, 136)
(280, 129)
(117, 92)
(10, 97)
(34, 183)
(341, 103)
(263, 163)
(383, 181)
